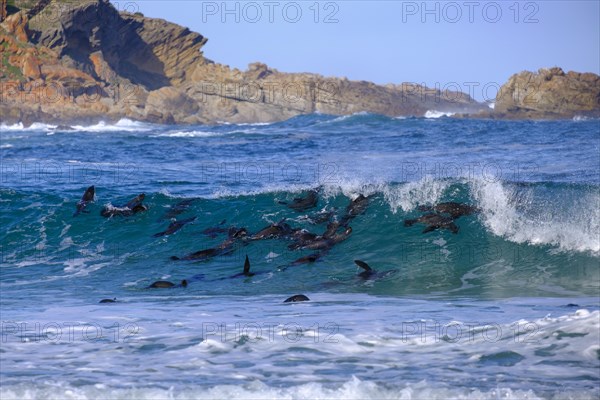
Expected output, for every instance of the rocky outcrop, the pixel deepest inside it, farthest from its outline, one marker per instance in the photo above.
(127, 65)
(2, 10)
(168, 105)
(174, 49)
(16, 25)
(84, 61)
(37, 8)
(148, 52)
(549, 93)
(31, 66)
(265, 94)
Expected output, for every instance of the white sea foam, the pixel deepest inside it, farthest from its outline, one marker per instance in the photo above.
(204, 134)
(345, 117)
(225, 123)
(385, 348)
(36, 126)
(354, 389)
(580, 118)
(189, 134)
(255, 124)
(349, 187)
(409, 195)
(437, 114)
(574, 226)
(124, 124)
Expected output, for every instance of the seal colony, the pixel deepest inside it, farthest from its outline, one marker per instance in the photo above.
(441, 216)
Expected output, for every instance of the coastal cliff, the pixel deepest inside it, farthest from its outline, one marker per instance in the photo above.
(2, 10)
(550, 93)
(66, 62)
(85, 61)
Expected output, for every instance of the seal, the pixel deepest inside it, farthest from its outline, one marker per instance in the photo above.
(166, 284)
(134, 206)
(321, 242)
(303, 239)
(320, 217)
(434, 221)
(367, 270)
(212, 232)
(87, 198)
(224, 248)
(246, 271)
(136, 202)
(198, 255)
(174, 227)
(454, 209)
(302, 235)
(332, 228)
(311, 258)
(108, 300)
(177, 209)
(369, 273)
(296, 298)
(304, 203)
(247, 267)
(356, 207)
(272, 231)
(340, 237)
(139, 208)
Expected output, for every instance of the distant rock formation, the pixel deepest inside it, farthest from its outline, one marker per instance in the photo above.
(550, 93)
(83, 61)
(148, 52)
(16, 24)
(2, 10)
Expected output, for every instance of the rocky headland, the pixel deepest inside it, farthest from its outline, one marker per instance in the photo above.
(83, 61)
(549, 93)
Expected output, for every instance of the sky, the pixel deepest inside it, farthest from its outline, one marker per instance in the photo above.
(473, 46)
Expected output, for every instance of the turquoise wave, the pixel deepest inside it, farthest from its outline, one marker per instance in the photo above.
(527, 240)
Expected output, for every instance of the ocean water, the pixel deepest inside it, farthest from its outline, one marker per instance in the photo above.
(507, 308)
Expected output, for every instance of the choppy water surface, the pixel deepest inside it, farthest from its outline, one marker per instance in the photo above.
(506, 308)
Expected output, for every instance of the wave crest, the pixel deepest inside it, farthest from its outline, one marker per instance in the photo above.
(522, 215)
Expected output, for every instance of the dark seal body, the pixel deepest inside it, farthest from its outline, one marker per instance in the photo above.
(87, 198)
(454, 209)
(305, 203)
(174, 227)
(108, 300)
(296, 298)
(166, 284)
(433, 222)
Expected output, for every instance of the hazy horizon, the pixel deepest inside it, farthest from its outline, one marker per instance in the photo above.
(470, 46)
